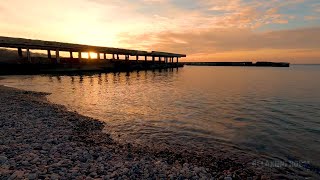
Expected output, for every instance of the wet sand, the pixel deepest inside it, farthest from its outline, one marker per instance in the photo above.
(40, 140)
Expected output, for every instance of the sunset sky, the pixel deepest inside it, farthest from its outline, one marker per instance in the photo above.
(206, 30)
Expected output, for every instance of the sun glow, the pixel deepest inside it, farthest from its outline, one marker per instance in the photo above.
(93, 55)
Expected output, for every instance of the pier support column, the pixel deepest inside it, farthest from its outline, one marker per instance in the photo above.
(117, 56)
(146, 58)
(153, 58)
(79, 55)
(29, 55)
(57, 56)
(20, 52)
(104, 56)
(113, 57)
(126, 57)
(137, 58)
(159, 59)
(177, 60)
(71, 55)
(49, 54)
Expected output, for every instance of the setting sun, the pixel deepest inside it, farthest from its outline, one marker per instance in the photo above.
(85, 55)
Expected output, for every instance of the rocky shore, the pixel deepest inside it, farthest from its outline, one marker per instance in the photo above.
(40, 140)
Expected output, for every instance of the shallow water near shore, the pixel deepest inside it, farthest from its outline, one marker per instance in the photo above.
(274, 111)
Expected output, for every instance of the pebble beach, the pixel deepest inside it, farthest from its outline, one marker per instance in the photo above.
(40, 140)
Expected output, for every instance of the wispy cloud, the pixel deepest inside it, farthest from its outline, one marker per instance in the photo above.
(228, 39)
(228, 42)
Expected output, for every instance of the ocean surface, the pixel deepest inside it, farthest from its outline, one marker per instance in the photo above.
(274, 111)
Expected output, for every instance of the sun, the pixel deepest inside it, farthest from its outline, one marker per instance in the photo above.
(93, 55)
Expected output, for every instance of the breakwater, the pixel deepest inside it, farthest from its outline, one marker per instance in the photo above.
(257, 64)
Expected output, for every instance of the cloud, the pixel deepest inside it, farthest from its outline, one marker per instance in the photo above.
(316, 7)
(230, 41)
(176, 14)
(311, 18)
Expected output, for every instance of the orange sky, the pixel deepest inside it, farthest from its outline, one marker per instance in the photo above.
(206, 30)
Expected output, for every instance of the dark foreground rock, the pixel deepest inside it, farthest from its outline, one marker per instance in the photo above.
(40, 140)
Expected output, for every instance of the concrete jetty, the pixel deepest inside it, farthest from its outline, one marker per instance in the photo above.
(133, 59)
(29, 44)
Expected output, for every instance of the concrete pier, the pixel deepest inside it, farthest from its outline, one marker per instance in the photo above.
(49, 54)
(58, 56)
(20, 53)
(28, 55)
(29, 44)
(131, 58)
(79, 55)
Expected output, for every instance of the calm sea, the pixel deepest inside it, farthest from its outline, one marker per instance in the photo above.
(267, 110)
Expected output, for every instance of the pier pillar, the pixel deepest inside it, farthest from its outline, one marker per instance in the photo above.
(71, 55)
(117, 56)
(29, 55)
(49, 54)
(113, 57)
(104, 56)
(79, 55)
(137, 58)
(20, 52)
(153, 59)
(57, 56)
(145, 58)
(126, 57)
(159, 59)
(172, 59)
(177, 59)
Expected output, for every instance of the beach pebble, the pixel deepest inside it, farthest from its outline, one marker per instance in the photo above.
(3, 160)
(32, 176)
(54, 176)
(197, 170)
(17, 174)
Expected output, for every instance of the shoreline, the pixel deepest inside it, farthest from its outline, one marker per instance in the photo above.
(44, 140)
